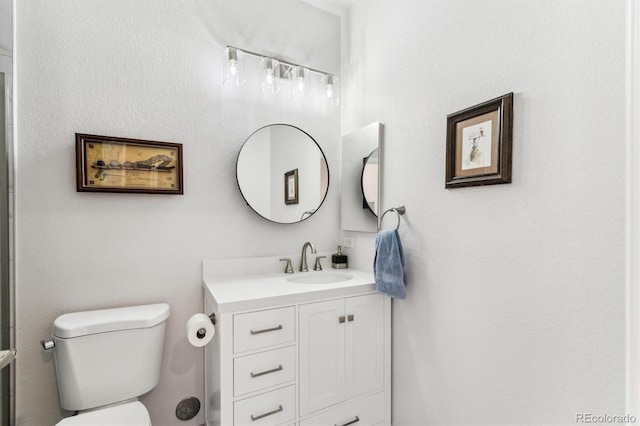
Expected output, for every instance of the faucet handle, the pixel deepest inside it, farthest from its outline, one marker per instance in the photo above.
(318, 266)
(288, 269)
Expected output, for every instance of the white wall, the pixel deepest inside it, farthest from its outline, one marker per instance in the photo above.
(633, 205)
(515, 310)
(148, 69)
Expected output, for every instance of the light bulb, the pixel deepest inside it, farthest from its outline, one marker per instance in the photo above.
(301, 86)
(270, 82)
(332, 90)
(329, 91)
(233, 67)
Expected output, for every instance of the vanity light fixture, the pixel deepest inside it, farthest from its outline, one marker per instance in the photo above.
(298, 84)
(332, 90)
(233, 67)
(267, 73)
(271, 74)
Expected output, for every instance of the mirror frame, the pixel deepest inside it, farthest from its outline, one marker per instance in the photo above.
(307, 214)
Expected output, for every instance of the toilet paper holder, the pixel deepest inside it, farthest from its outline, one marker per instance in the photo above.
(202, 332)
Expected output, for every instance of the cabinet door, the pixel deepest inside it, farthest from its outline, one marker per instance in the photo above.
(322, 327)
(364, 351)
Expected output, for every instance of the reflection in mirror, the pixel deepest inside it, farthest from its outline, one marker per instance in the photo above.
(369, 182)
(282, 173)
(366, 144)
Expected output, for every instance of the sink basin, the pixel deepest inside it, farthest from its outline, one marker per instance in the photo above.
(313, 277)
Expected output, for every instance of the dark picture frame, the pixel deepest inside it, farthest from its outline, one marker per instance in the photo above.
(291, 187)
(113, 164)
(479, 144)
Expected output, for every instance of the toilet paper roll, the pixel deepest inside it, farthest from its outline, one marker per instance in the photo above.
(200, 330)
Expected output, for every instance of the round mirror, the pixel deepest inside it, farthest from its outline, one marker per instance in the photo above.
(282, 173)
(369, 182)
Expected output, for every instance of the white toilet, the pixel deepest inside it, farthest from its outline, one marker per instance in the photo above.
(105, 359)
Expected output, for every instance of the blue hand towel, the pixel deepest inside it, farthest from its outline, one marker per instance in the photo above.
(388, 265)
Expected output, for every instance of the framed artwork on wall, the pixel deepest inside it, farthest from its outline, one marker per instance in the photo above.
(111, 164)
(291, 187)
(479, 142)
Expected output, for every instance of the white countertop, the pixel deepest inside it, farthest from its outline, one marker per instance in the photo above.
(243, 292)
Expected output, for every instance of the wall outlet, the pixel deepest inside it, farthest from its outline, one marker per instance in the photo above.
(349, 242)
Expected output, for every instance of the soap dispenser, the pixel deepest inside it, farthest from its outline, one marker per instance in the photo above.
(339, 260)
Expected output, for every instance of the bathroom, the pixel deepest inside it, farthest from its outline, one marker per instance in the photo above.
(518, 295)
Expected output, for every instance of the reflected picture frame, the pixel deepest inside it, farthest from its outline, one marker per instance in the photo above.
(291, 187)
(479, 144)
(114, 164)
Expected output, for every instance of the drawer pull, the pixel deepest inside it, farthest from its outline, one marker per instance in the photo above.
(262, 416)
(266, 330)
(262, 373)
(356, 420)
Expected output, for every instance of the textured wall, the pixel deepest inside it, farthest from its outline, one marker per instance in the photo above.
(150, 70)
(515, 311)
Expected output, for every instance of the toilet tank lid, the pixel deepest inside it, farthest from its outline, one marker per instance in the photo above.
(105, 320)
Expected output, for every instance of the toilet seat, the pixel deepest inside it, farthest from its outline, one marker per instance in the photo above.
(127, 414)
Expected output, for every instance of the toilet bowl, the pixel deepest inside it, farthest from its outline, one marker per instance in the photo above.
(105, 360)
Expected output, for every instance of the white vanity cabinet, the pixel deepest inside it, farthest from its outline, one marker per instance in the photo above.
(303, 355)
(341, 350)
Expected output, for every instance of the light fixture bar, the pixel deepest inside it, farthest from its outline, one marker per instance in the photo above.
(286, 67)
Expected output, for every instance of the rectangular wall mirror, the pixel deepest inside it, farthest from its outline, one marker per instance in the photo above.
(361, 178)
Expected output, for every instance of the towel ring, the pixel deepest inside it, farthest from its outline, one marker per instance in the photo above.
(399, 211)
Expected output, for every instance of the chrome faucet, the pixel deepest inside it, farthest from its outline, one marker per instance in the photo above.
(303, 258)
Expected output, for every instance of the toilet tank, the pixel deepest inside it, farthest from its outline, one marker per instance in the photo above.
(108, 355)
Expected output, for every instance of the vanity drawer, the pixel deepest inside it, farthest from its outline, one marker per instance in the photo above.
(259, 371)
(263, 328)
(271, 408)
(363, 412)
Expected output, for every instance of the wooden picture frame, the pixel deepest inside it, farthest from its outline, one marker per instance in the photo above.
(291, 187)
(112, 164)
(479, 144)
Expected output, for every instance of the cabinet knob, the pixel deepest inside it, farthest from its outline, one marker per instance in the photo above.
(341, 319)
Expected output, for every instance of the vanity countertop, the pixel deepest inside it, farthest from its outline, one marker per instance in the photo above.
(254, 291)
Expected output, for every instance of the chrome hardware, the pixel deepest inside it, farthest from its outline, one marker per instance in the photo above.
(47, 344)
(356, 420)
(318, 266)
(262, 373)
(266, 330)
(261, 416)
(399, 211)
(349, 317)
(288, 269)
(303, 257)
(341, 319)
